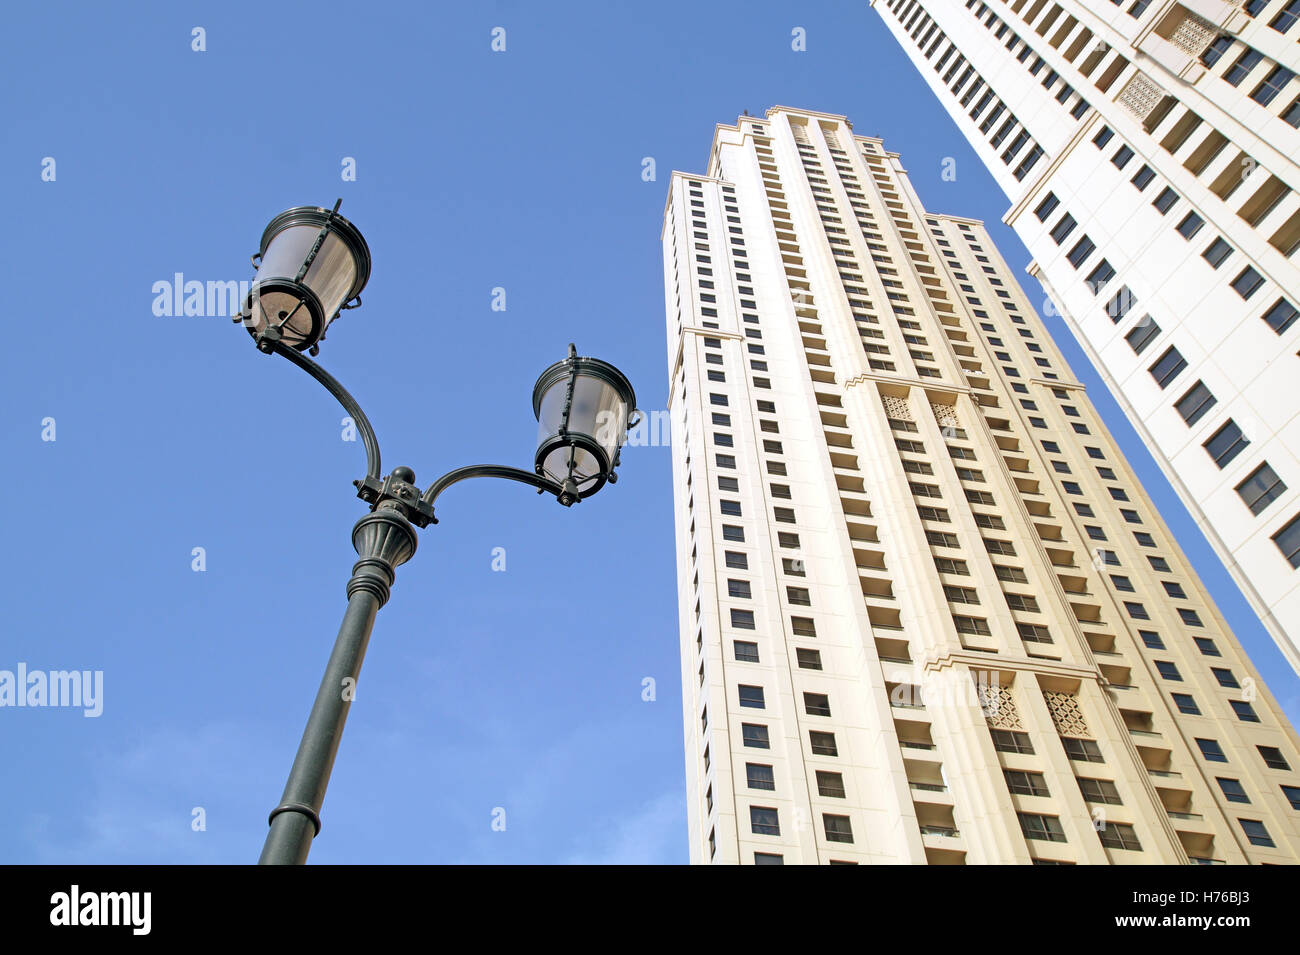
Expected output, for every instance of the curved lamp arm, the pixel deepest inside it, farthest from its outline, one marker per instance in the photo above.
(345, 399)
(566, 496)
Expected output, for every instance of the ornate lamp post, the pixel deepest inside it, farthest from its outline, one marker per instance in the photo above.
(312, 264)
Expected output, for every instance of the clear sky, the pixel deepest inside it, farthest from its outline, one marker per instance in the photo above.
(518, 689)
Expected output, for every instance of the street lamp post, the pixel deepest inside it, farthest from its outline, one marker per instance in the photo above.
(312, 264)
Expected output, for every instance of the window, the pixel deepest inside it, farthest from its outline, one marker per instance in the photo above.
(1211, 750)
(1217, 252)
(1151, 639)
(1245, 712)
(763, 821)
(803, 626)
(1248, 60)
(1169, 671)
(1143, 177)
(1011, 741)
(1047, 206)
(1281, 316)
(1099, 276)
(745, 650)
(830, 784)
(751, 696)
(1247, 283)
(1103, 137)
(1190, 225)
(730, 508)
(736, 560)
(1174, 590)
(1168, 366)
(766, 858)
(1256, 833)
(730, 532)
(1082, 750)
(1292, 794)
(1274, 83)
(1226, 443)
(1261, 489)
(1026, 783)
(1082, 249)
(1119, 835)
(1288, 541)
(1186, 704)
(742, 619)
(1063, 228)
(808, 659)
(1193, 405)
(1165, 201)
(759, 776)
(1225, 677)
(755, 735)
(1119, 306)
(1190, 617)
(817, 704)
(1273, 758)
(1100, 791)
(823, 744)
(798, 596)
(1122, 157)
(1141, 335)
(1287, 17)
(1044, 828)
(1214, 52)
(838, 828)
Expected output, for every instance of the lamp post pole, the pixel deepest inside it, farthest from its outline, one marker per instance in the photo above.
(313, 263)
(383, 540)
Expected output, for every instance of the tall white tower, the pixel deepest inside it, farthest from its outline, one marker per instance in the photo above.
(927, 613)
(1149, 151)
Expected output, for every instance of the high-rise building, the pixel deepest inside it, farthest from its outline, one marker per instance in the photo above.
(1149, 151)
(927, 612)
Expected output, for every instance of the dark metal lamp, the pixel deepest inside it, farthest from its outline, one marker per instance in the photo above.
(312, 263)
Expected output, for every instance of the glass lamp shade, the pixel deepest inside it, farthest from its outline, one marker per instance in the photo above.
(583, 408)
(312, 262)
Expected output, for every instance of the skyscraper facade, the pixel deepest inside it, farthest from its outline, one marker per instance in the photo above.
(1149, 151)
(927, 613)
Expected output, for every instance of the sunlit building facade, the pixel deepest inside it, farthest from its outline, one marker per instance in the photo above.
(927, 613)
(1150, 154)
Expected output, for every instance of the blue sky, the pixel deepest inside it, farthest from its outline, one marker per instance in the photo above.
(519, 689)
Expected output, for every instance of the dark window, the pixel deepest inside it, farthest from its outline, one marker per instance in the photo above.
(1026, 783)
(1047, 206)
(746, 651)
(1099, 276)
(1099, 790)
(1122, 157)
(1256, 833)
(823, 744)
(755, 735)
(742, 619)
(1273, 758)
(1248, 60)
(1245, 712)
(1190, 225)
(1044, 828)
(1168, 366)
(838, 828)
(817, 704)
(1143, 177)
(809, 659)
(1082, 249)
(1193, 405)
(830, 784)
(1288, 541)
(1281, 316)
(1082, 750)
(1274, 83)
(751, 696)
(1247, 283)
(759, 776)
(1261, 489)
(1119, 835)
(1063, 228)
(1141, 335)
(1186, 704)
(1226, 443)
(1119, 306)
(1211, 750)
(1217, 252)
(1011, 741)
(763, 821)
(1165, 201)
